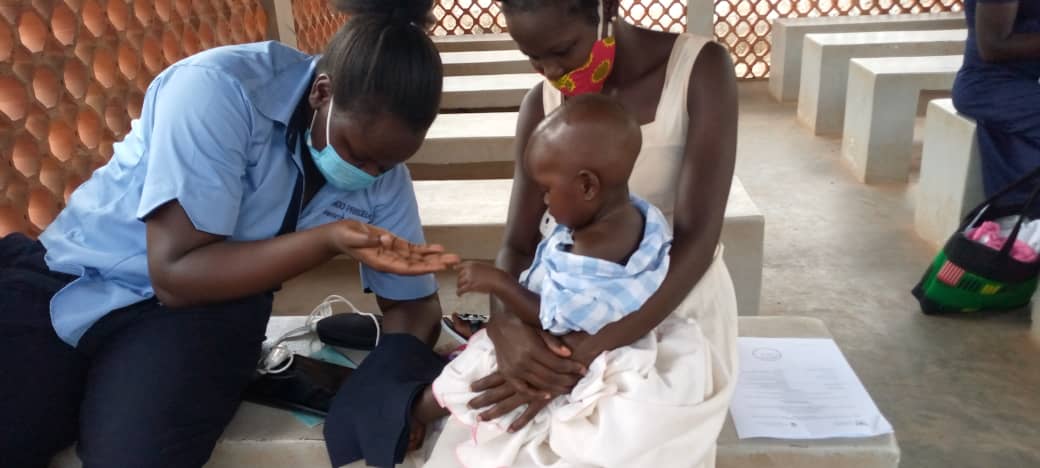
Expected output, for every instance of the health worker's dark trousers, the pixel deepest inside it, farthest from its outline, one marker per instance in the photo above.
(147, 386)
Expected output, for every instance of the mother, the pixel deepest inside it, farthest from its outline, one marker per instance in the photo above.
(998, 87)
(682, 90)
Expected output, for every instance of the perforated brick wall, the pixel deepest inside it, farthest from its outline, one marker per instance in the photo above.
(73, 74)
(315, 23)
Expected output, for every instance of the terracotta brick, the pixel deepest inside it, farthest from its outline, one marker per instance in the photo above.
(72, 76)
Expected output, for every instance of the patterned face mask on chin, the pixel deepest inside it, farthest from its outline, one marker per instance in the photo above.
(590, 77)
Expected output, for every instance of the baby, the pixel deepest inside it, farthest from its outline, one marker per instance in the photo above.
(608, 252)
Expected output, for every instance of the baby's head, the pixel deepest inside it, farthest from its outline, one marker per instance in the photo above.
(581, 156)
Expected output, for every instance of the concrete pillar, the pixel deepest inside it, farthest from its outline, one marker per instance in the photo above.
(280, 24)
(700, 17)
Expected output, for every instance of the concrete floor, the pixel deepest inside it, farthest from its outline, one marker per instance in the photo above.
(960, 391)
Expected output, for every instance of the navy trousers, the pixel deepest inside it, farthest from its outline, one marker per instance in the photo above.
(1006, 104)
(147, 387)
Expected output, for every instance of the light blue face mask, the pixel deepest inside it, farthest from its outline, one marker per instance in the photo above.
(337, 171)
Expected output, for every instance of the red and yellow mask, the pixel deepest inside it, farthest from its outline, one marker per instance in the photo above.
(590, 77)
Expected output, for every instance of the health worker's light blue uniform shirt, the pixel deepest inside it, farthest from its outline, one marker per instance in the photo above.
(212, 135)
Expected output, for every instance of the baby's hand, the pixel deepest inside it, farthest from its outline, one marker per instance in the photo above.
(478, 277)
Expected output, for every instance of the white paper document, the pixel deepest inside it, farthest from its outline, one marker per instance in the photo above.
(801, 388)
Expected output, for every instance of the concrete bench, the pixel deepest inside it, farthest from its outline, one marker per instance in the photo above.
(743, 234)
(261, 437)
(882, 102)
(474, 42)
(469, 216)
(789, 33)
(951, 173)
(487, 62)
(874, 452)
(825, 67)
(476, 92)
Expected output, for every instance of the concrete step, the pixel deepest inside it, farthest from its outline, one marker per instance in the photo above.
(468, 138)
(466, 216)
(881, 102)
(789, 33)
(261, 437)
(474, 42)
(485, 62)
(825, 67)
(487, 92)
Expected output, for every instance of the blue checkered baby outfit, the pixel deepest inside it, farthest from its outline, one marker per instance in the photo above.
(580, 293)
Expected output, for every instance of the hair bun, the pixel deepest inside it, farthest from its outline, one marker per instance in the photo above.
(416, 12)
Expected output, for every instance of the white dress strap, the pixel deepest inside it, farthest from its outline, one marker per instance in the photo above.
(671, 115)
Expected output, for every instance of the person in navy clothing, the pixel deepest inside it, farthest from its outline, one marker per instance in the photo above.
(133, 325)
(998, 86)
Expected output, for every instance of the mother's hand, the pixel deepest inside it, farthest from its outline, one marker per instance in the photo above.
(530, 359)
(533, 368)
(501, 398)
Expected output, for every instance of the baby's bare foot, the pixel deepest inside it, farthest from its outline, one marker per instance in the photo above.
(425, 410)
(416, 434)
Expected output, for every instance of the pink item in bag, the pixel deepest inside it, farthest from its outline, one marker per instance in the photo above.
(989, 234)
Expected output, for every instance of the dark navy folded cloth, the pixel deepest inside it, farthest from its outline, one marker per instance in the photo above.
(369, 416)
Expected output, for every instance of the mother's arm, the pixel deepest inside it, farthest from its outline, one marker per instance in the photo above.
(704, 183)
(994, 31)
(524, 359)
